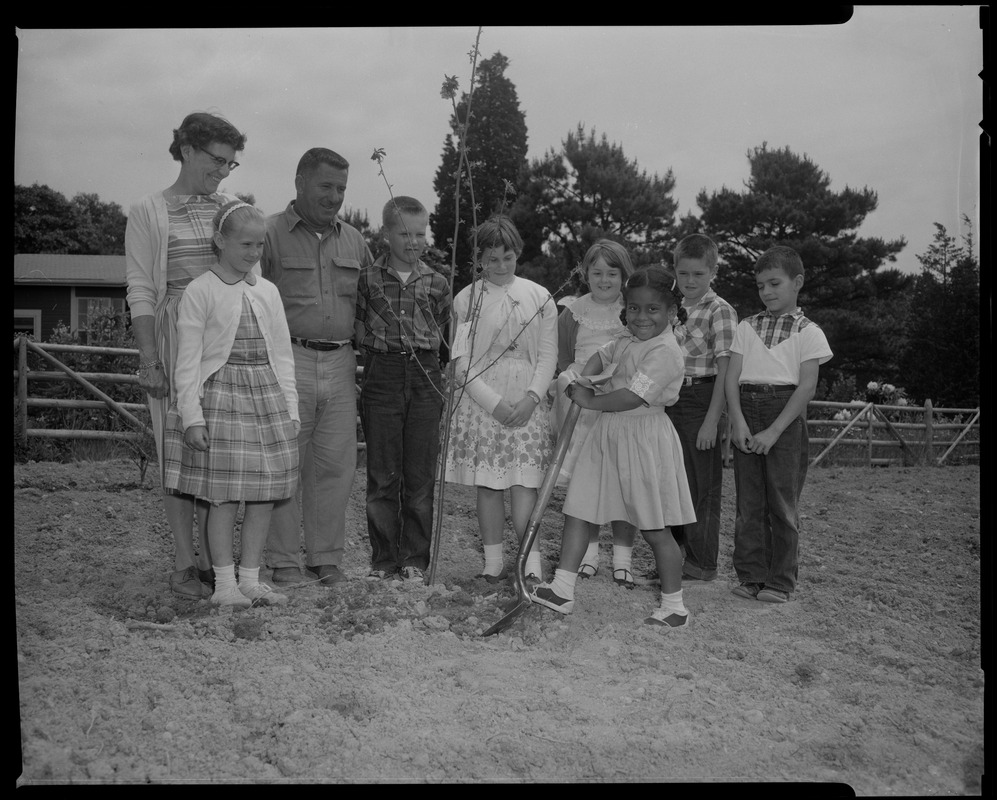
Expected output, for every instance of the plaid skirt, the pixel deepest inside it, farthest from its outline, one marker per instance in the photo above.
(253, 451)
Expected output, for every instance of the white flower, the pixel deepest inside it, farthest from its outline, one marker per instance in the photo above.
(889, 388)
(857, 402)
(901, 401)
(843, 414)
(872, 386)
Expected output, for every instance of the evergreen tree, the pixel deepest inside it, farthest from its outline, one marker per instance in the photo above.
(587, 191)
(495, 144)
(788, 201)
(941, 359)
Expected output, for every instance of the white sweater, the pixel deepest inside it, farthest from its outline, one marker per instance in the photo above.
(206, 327)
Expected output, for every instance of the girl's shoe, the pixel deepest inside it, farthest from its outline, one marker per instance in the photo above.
(545, 596)
(624, 578)
(668, 620)
(588, 571)
(230, 596)
(493, 579)
(263, 595)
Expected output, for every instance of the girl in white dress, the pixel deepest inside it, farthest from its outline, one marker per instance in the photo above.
(504, 354)
(593, 320)
(630, 465)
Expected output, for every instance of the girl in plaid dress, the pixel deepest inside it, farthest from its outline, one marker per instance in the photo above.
(232, 432)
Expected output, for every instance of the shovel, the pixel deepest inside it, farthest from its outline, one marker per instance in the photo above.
(543, 498)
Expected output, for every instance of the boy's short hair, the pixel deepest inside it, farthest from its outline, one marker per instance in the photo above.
(394, 208)
(697, 245)
(780, 257)
(320, 155)
(497, 231)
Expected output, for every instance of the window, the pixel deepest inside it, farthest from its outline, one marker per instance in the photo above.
(29, 321)
(87, 308)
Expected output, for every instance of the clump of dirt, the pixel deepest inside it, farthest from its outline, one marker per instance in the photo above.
(871, 676)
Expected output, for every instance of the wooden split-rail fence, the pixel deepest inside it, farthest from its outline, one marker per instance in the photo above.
(915, 434)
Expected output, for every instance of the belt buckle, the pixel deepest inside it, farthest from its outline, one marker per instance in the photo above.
(687, 381)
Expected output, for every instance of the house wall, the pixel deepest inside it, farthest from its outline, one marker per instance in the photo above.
(54, 304)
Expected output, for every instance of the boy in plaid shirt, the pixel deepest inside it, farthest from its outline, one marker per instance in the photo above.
(705, 337)
(403, 307)
(772, 376)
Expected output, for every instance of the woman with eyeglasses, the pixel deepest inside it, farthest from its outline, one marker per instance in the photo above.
(167, 245)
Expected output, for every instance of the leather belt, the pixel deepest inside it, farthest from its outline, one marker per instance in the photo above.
(317, 344)
(689, 381)
(767, 388)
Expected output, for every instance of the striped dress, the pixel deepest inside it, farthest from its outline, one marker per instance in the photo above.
(253, 449)
(189, 255)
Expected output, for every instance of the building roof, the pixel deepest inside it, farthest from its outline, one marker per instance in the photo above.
(59, 269)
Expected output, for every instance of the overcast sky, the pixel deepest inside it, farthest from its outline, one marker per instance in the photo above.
(890, 100)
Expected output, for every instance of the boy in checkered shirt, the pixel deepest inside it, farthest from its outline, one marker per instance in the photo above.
(774, 363)
(698, 415)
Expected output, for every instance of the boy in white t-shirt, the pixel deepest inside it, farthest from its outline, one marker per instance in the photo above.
(772, 375)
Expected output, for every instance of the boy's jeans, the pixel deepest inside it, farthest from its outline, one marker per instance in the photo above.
(704, 470)
(400, 403)
(767, 521)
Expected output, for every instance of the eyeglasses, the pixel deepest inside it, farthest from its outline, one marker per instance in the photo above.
(219, 161)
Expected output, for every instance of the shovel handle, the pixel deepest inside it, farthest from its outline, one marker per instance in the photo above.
(543, 497)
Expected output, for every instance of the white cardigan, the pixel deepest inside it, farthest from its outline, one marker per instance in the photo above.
(206, 327)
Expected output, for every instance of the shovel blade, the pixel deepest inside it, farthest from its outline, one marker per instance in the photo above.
(509, 618)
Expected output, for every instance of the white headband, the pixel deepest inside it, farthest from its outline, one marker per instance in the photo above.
(236, 207)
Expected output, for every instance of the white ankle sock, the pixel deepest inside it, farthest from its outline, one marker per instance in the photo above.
(592, 554)
(248, 578)
(563, 583)
(622, 557)
(672, 603)
(493, 560)
(224, 577)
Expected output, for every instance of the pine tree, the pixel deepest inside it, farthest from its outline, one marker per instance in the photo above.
(941, 359)
(789, 201)
(586, 191)
(496, 149)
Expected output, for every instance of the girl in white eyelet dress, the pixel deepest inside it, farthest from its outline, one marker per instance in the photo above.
(630, 465)
(504, 355)
(590, 322)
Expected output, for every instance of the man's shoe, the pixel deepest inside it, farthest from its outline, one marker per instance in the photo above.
(749, 591)
(380, 574)
(493, 579)
(263, 595)
(186, 583)
(328, 574)
(412, 574)
(287, 576)
(770, 595)
(701, 579)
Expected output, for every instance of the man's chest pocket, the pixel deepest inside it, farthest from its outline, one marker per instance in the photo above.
(345, 273)
(298, 277)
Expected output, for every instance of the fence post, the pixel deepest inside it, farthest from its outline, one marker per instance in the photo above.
(868, 433)
(929, 434)
(22, 387)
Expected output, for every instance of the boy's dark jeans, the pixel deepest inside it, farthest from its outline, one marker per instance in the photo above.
(400, 406)
(704, 471)
(767, 521)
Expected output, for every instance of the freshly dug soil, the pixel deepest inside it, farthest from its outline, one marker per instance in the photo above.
(870, 676)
